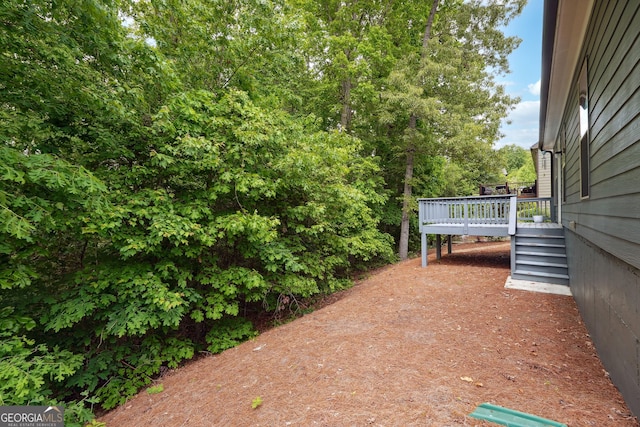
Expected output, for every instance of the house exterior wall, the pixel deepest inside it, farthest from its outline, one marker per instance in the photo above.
(603, 229)
(544, 174)
(610, 215)
(606, 291)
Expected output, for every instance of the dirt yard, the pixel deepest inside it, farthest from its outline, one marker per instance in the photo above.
(406, 346)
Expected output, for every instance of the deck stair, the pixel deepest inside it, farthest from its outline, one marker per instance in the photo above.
(538, 253)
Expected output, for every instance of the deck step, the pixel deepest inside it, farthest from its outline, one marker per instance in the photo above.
(540, 255)
(540, 232)
(538, 249)
(538, 276)
(541, 274)
(546, 240)
(541, 267)
(539, 244)
(540, 235)
(542, 263)
(541, 247)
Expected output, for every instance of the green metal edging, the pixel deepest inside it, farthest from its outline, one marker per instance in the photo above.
(511, 418)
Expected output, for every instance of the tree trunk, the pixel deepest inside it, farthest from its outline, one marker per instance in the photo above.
(403, 249)
(403, 246)
(427, 30)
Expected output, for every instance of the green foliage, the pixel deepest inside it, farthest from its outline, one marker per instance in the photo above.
(37, 194)
(526, 173)
(514, 157)
(229, 332)
(117, 369)
(155, 389)
(409, 94)
(27, 369)
(250, 45)
(232, 205)
(518, 163)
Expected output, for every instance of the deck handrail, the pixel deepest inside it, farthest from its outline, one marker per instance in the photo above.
(483, 210)
(499, 196)
(531, 206)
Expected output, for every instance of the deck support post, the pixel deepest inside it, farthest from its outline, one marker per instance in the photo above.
(424, 247)
(438, 247)
(449, 244)
(513, 254)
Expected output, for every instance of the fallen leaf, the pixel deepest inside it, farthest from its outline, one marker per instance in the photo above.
(256, 402)
(467, 379)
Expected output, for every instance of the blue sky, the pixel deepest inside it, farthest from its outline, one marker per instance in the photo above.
(524, 79)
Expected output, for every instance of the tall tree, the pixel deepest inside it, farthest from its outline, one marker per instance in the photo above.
(514, 156)
(414, 82)
(410, 150)
(448, 88)
(348, 50)
(251, 45)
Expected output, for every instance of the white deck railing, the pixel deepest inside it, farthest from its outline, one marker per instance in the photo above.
(528, 207)
(462, 214)
(476, 216)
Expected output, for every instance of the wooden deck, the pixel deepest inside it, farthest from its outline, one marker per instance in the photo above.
(477, 216)
(542, 225)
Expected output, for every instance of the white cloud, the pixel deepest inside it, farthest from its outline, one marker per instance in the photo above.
(523, 130)
(507, 83)
(525, 112)
(534, 88)
(524, 138)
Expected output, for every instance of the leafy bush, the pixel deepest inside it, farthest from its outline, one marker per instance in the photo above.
(27, 368)
(231, 205)
(138, 216)
(228, 333)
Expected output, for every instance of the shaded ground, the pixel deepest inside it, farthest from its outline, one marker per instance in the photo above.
(406, 346)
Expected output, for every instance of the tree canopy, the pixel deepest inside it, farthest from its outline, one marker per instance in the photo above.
(518, 163)
(168, 168)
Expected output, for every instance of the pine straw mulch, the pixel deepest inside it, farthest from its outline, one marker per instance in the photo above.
(405, 346)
